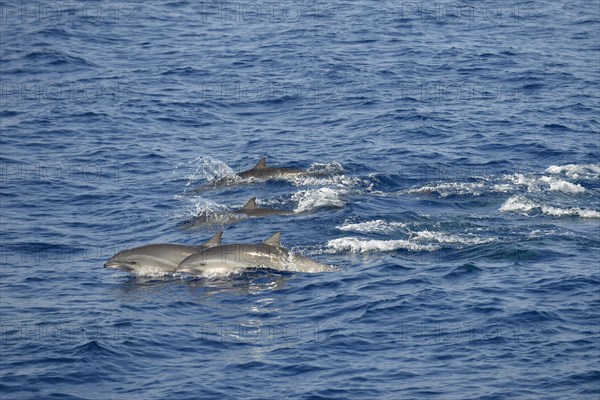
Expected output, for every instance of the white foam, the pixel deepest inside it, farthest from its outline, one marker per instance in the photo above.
(540, 183)
(201, 209)
(518, 203)
(450, 188)
(523, 205)
(357, 245)
(339, 181)
(576, 171)
(522, 180)
(211, 169)
(329, 168)
(378, 225)
(561, 185)
(540, 233)
(309, 200)
(502, 188)
(443, 237)
(577, 212)
(566, 187)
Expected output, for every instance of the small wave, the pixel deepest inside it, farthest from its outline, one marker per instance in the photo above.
(442, 237)
(330, 168)
(518, 203)
(450, 189)
(541, 233)
(558, 127)
(202, 211)
(562, 186)
(541, 183)
(357, 245)
(576, 171)
(522, 180)
(522, 205)
(340, 181)
(55, 57)
(509, 183)
(579, 212)
(93, 347)
(376, 226)
(423, 240)
(211, 170)
(462, 270)
(183, 71)
(312, 199)
(204, 207)
(502, 188)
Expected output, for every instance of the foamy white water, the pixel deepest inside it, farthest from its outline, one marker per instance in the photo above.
(576, 171)
(357, 245)
(379, 226)
(312, 199)
(211, 170)
(443, 237)
(446, 189)
(542, 183)
(523, 205)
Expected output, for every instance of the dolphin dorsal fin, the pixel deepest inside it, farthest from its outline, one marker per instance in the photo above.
(215, 240)
(274, 240)
(261, 164)
(250, 205)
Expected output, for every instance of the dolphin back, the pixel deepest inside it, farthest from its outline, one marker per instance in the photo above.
(262, 170)
(246, 256)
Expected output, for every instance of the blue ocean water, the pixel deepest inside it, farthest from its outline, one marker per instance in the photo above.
(461, 145)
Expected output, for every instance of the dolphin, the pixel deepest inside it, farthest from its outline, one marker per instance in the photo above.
(251, 210)
(157, 258)
(232, 257)
(262, 171)
(248, 210)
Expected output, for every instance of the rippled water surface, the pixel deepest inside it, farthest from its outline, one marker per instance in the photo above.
(456, 179)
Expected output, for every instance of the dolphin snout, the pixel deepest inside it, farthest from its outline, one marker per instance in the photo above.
(117, 265)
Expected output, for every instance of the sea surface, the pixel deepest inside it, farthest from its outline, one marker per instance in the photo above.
(457, 145)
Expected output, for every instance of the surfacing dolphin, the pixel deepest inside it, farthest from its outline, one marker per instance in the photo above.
(157, 258)
(231, 257)
(251, 210)
(262, 171)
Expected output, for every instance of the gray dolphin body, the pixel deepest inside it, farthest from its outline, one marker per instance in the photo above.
(231, 257)
(251, 210)
(262, 171)
(156, 258)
